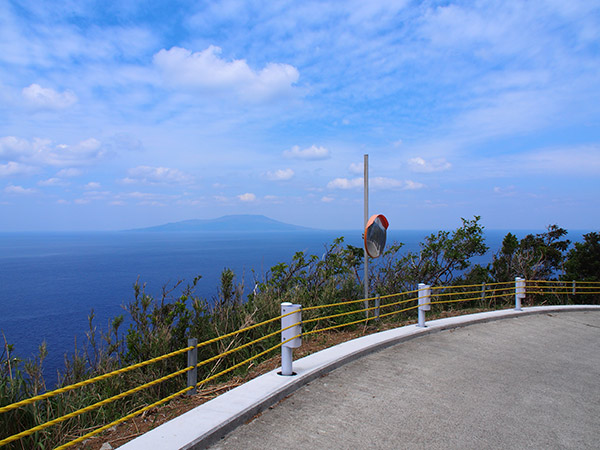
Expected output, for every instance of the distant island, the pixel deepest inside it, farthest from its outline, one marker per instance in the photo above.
(237, 223)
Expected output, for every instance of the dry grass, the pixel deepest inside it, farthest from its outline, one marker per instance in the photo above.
(135, 427)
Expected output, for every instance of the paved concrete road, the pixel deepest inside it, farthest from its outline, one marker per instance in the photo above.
(526, 382)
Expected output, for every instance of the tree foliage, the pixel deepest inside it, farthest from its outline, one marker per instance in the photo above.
(535, 257)
(583, 261)
(443, 256)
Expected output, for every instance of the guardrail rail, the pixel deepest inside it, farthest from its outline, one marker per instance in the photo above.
(314, 320)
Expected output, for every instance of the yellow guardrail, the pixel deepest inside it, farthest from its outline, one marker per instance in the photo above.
(597, 283)
(121, 371)
(398, 302)
(563, 287)
(443, 295)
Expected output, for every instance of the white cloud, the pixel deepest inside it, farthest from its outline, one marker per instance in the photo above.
(42, 152)
(413, 185)
(327, 199)
(207, 70)
(392, 183)
(280, 175)
(52, 182)
(19, 190)
(513, 71)
(69, 172)
(312, 153)
(190, 202)
(157, 175)
(96, 195)
(356, 168)
(84, 152)
(386, 183)
(151, 203)
(92, 185)
(345, 183)
(376, 183)
(13, 147)
(419, 164)
(46, 98)
(14, 168)
(274, 199)
(146, 196)
(429, 204)
(247, 197)
(143, 198)
(508, 191)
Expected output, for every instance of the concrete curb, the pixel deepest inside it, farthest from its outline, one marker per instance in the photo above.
(207, 423)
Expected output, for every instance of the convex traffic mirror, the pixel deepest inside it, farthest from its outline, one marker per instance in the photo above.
(375, 235)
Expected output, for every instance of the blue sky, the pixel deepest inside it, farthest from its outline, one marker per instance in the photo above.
(139, 113)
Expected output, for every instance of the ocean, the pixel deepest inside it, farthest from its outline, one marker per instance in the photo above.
(49, 282)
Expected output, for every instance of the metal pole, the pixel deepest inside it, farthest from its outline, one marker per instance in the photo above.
(286, 361)
(377, 304)
(192, 361)
(421, 318)
(366, 210)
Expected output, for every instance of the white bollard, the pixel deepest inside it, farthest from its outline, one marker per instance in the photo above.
(424, 299)
(192, 359)
(519, 292)
(293, 321)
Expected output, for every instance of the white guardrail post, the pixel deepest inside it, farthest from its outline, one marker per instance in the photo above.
(192, 361)
(424, 299)
(294, 319)
(519, 292)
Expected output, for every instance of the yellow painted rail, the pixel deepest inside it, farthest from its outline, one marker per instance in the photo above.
(316, 319)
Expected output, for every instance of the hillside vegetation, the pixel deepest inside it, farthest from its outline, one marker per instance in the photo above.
(163, 323)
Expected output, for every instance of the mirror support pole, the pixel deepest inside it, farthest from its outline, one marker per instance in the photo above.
(366, 207)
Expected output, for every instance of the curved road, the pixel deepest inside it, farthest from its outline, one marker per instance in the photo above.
(526, 382)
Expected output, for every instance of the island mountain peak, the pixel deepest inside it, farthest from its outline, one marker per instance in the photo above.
(234, 222)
